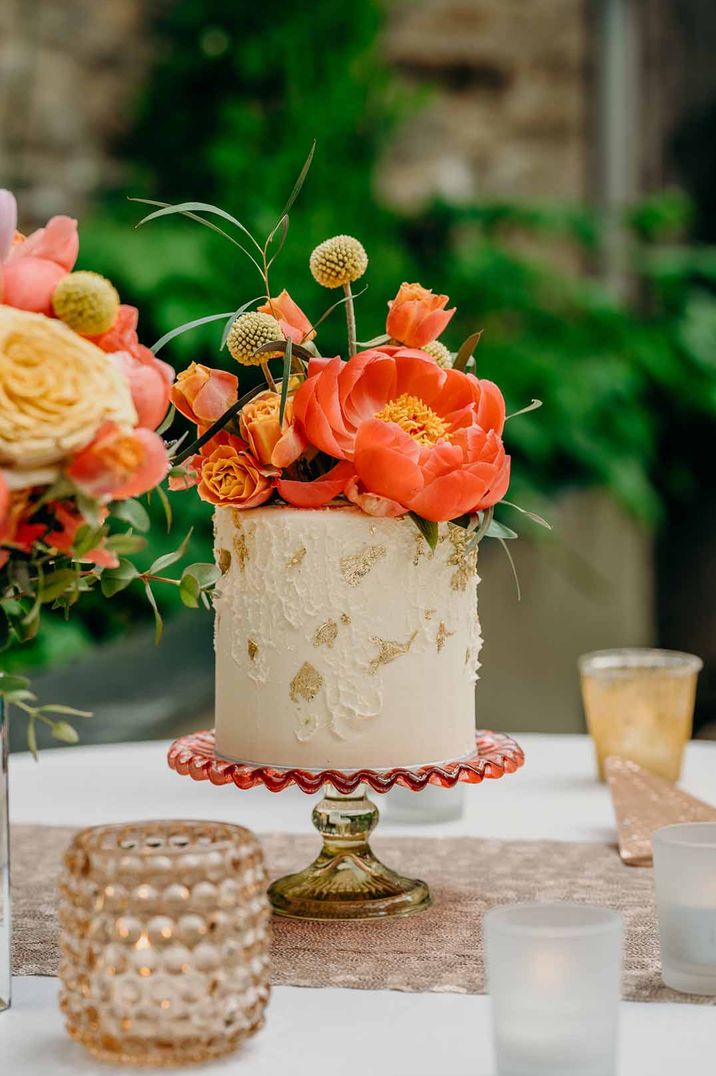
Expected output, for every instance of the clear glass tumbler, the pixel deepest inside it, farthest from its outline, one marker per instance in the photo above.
(554, 976)
(685, 879)
(639, 705)
(164, 940)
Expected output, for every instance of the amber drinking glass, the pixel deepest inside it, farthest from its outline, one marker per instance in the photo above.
(164, 940)
(639, 705)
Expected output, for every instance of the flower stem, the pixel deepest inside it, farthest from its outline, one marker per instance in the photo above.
(350, 320)
(267, 374)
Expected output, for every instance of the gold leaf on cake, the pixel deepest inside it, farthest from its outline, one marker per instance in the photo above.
(422, 549)
(345, 619)
(430, 613)
(223, 559)
(306, 683)
(241, 547)
(389, 650)
(252, 648)
(442, 636)
(357, 566)
(295, 559)
(326, 635)
(465, 563)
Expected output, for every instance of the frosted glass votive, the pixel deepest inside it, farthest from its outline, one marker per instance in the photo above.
(685, 879)
(639, 705)
(554, 976)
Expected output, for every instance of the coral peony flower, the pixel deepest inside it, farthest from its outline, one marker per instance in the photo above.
(203, 395)
(120, 463)
(68, 521)
(56, 390)
(34, 267)
(294, 323)
(233, 477)
(417, 317)
(260, 427)
(122, 336)
(150, 383)
(419, 437)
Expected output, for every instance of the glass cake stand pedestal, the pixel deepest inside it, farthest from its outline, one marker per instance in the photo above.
(346, 880)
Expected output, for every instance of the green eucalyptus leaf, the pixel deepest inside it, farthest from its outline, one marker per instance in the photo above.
(132, 512)
(87, 538)
(89, 509)
(189, 591)
(205, 574)
(64, 732)
(427, 528)
(164, 500)
(158, 622)
(126, 543)
(113, 580)
(167, 420)
(10, 683)
(32, 737)
(56, 584)
(170, 558)
(60, 708)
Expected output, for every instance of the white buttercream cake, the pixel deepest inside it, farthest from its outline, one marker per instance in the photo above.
(342, 641)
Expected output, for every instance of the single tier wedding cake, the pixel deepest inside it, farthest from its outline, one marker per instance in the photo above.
(342, 640)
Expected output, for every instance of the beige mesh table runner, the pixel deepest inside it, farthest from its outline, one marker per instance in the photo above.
(438, 950)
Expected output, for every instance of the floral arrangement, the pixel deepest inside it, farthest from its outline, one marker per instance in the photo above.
(403, 427)
(81, 401)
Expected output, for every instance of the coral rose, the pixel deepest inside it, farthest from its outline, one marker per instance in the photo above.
(203, 395)
(34, 267)
(68, 521)
(294, 323)
(420, 438)
(233, 477)
(120, 463)
(417, 317)
(56, 390)
(150, 383)
(260, 427)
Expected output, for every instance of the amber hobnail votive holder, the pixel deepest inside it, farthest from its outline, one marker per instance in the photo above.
(639, 705)
(164, 940)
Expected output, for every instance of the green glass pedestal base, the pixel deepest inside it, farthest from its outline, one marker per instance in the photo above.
(346, 881)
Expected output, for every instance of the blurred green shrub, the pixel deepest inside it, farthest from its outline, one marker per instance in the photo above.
(237, 94)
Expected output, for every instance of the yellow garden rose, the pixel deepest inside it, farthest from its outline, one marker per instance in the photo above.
(56, 390)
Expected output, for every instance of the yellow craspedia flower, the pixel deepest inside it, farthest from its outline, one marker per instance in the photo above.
(338, 261)
(442, 355)
(249, 332)
(87, 302)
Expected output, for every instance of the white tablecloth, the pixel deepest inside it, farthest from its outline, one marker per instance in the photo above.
(308, 1031)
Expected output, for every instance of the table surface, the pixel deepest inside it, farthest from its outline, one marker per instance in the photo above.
(554, 796)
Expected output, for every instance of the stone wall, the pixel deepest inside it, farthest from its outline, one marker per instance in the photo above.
(508, 100)
(69, 70)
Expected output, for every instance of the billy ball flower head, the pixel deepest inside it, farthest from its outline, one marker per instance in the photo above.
(249, 332)
(442, 355)
(338, 261)
(86, 302)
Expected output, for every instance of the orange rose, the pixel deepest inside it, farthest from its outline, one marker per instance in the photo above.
(120, 463)
(203, 395)
(416, 317)
(260, 427)
(231, 477)
(294, 323)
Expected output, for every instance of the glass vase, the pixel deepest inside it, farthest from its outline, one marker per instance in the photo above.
(5, 971)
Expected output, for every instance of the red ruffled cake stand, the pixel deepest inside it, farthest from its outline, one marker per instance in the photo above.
(346, 880)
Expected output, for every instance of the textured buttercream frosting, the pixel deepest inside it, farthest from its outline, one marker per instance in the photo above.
(341, 640)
